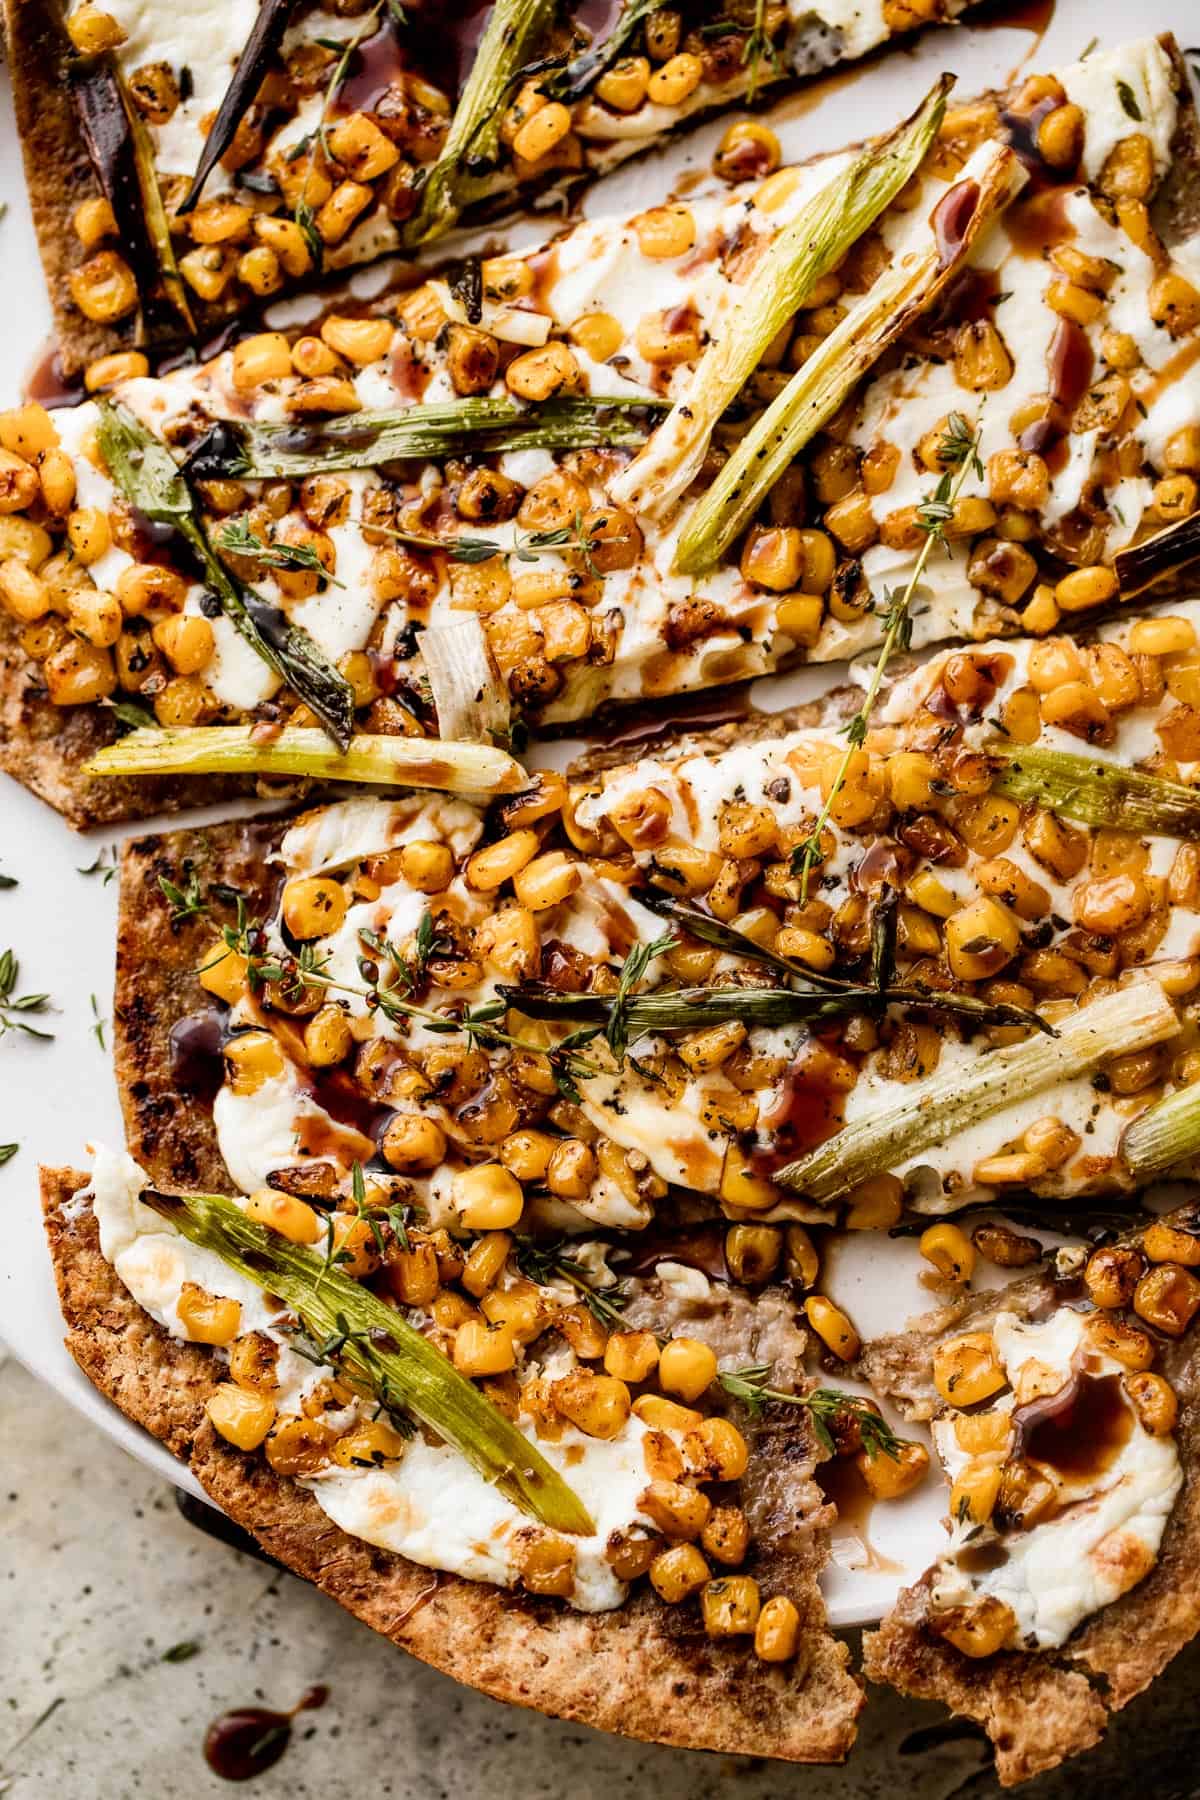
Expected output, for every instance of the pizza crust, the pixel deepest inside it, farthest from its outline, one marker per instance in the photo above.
(645, 1671)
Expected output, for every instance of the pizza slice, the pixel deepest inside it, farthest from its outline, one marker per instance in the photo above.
(784, 424)
(184, 166)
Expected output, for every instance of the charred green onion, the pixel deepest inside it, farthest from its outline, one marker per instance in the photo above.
(379, 1350)
(452, 768)
(1093, 792)
(807, 248)
(1130, 1019)
(147, 475)
(584, 71)
(365, 440)
(1139, 566)
(261, 46)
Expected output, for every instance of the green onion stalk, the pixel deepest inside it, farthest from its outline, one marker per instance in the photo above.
(454, 768)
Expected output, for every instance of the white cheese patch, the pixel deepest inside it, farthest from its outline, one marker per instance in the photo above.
(205, 37)
(334, 837)
(1108, 1531)
(1122, 91)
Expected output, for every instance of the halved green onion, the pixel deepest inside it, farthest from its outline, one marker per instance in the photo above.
(817, 238)
(365, 440)
(900, 295)
(469, 693)
(513, 30)
(1166, 1136)
(1139, 566)
(1130, 1019)
(380, 1350)
(452, 768)
(1097, 793)
(147, 475)
(154, 210)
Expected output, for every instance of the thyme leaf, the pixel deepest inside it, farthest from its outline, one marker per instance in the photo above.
(185, 902)
(14, 1007)
(238, 539)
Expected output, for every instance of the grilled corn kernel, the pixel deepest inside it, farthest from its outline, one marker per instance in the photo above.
(1112, 1274)
(488, 1198)
(599, 335)
(223, 973)
(631, 1356)
(967, 1369)
(412, 1274)
(665, 1415)
(265, 357)
(243, 1419)
(1174, 303)
(253, 1363)
(1164, 1242)
(287, 1214)
(313, 906)
(981, 938)
(686, 1367)
(413, 1145)
(752, 1253)
(485, 1262)
(207, 1318)
(730, 1606)
(977, 1631)
(481, 1348)
(874, 1204)
(1167, 1297)
(665, 232)
(949, 1250)
(368, 1446)
(716, 1451)
(726, 1536)
(777, 1633)
(1154, 1401)
(679, 1512)
(889, 1477)
(623, 87)
(186, 640)
(299, 1446)
(497, 863)
(679, 77)
(677, 1573)
(78, 674)
(832, 1327)
(538, 374)
(597, 1405)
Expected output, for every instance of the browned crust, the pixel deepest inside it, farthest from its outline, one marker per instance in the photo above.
(1040, 1708)
(646, 1671)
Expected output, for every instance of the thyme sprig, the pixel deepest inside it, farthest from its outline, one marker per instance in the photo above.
(752, 1386)
(759, 45)
(14, 1007)
(544, 1263)
(633, 969)
(958, 452)
(7, 1152)
(526, 547)
(237, 539)
(185, 902)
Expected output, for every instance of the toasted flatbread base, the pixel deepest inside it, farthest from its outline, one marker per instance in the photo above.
(646, 1671)
(1039, 1708)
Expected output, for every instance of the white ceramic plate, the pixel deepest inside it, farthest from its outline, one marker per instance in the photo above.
(57, 1097)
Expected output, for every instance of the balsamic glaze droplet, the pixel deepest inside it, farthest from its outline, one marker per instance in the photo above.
(245, 1741)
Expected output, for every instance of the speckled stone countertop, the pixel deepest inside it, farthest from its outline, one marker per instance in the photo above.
(102, 1577)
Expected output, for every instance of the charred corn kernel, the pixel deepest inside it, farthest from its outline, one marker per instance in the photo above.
(1112, 1274)
(1174, 303)
(874, 1204)
(95, 617)
(752, 1253)
(481, 1348)
(104, 288)
(966, 1369)
(538, 374)
(361, 148)
(716, 1451)
(631, 1356)
(708, 1049)
(1175, 497)
(89, 533)
(287, 1214)
(1052, 1142)
(526, 1154)
(218, 221)
(665, 231)
(93, 31)
(1164, 1242)
(1085, 587)
(599, 335)
(313, 906)
(488, 1198)
(497, 863)
(888, 1477)
(801, 1262)
(253, 1362)
(208, 270)
(260, 270)
(207, 1318)
(347, 201)
(677, 1573)
(582, 1330)
(1153, 1400)
(686, 1367)
(546, 1563)
(299, 1446)
(412, 1274)
(730, 1606)
(668, 338)
(1167, 1297)
(412, 1144)
(1060, 137)
(328, 1038)
(981, 938)
(223, 973)
(186, 640)
(28, 431)
(571, 1169)
(243, 1419)
(949, 1250)
(1132, 1348)
(24, 594)
(426, 865)
(93, 221)
(543, 132)
(981, 359)
(979, 1630)
(852, 522)
(121, 365)
(1115, 903)
(1017, 1169)
(623, 87)
(726, 1536)
(664, 1415)
(981, 1433)
(547, 881)
(148, 587)
(832, 1327)
(678, 1511)
(679, 77)
(286, 242)
(597, 1405)
(360, 341)
(1162, 637)
(24, 542)
(748, 151)
(265, 357)
(78, 674)
(368, 1446)
(56, 476)
(777, 1633)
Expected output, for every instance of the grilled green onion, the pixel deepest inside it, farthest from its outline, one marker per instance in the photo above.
(453, 768)
(378, 1349)
(1130, 1019)
(1097, 793)
(1139, 566)
(266, 35)
(586, 69)
(146, 474)
(817, 238)
(154, 211)
(812, 396)
(513, 29)
(1166, 1136)
(365, 440)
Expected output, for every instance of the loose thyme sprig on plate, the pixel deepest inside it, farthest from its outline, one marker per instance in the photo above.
(958, 452)
(14, 1008)
(752, 1386)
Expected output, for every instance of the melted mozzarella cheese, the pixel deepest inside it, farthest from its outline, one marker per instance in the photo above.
(1105, 1536)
